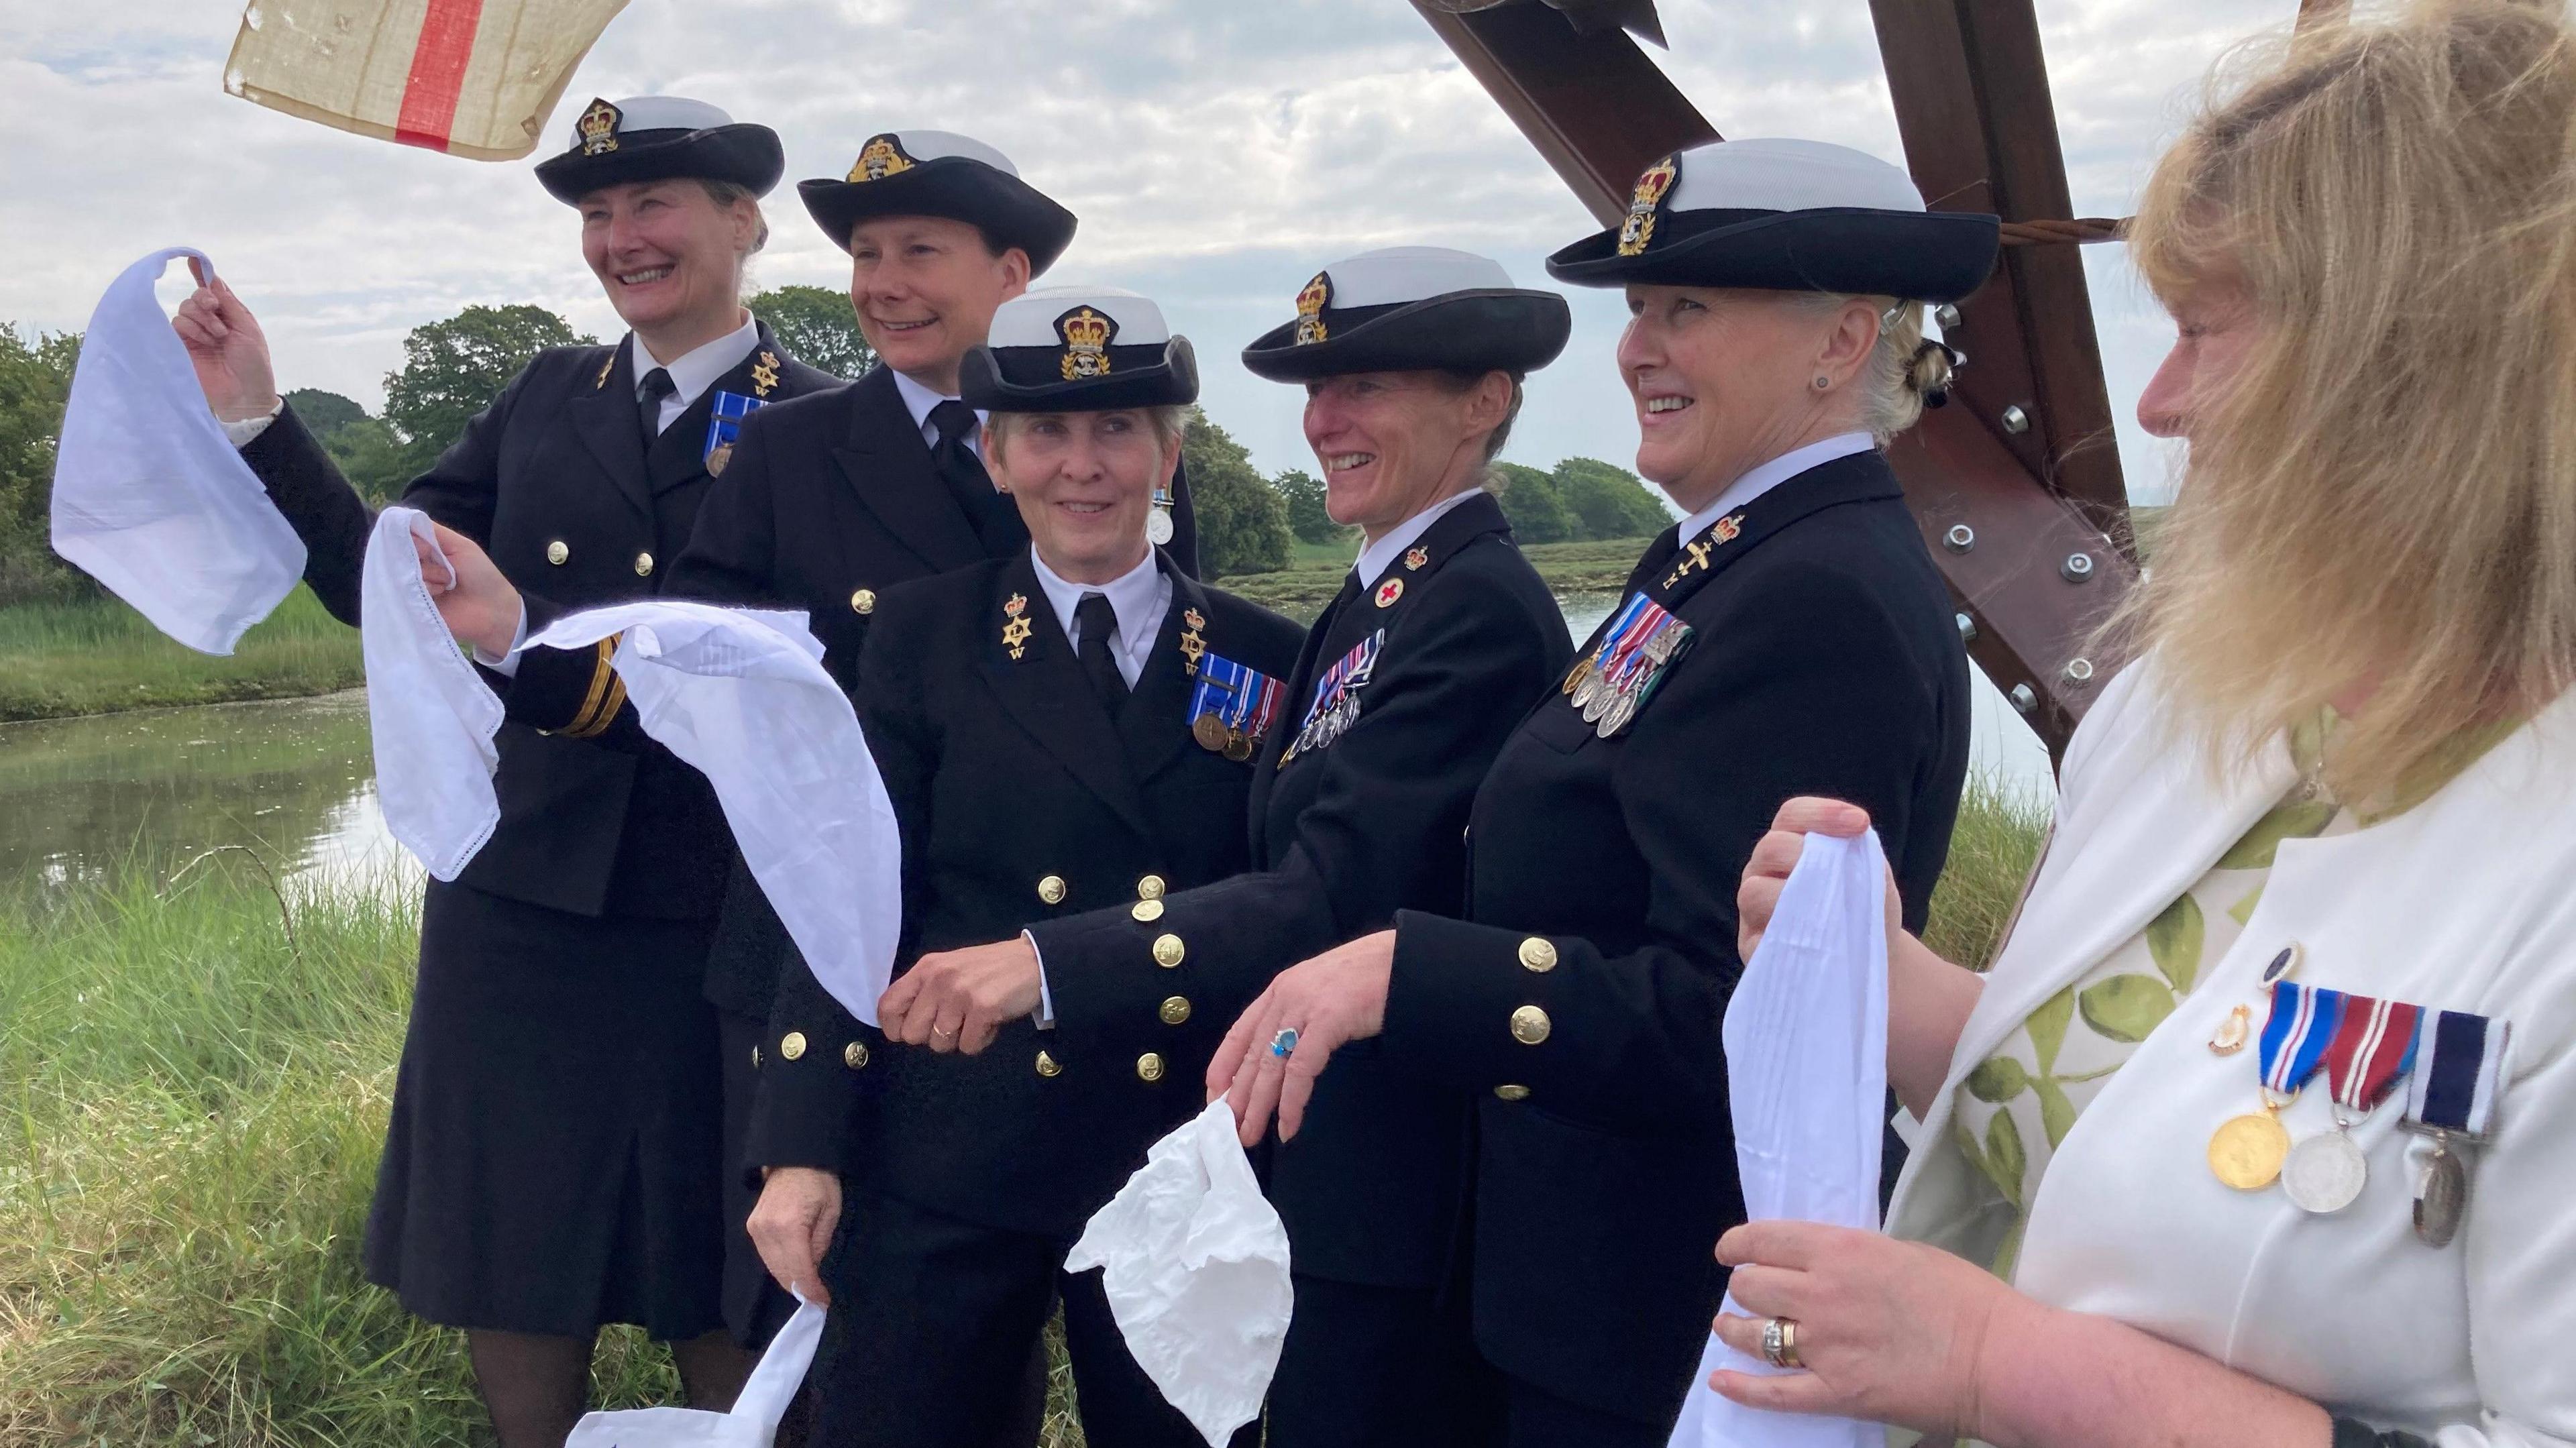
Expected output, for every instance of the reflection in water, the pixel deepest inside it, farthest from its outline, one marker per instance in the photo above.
(294, 780)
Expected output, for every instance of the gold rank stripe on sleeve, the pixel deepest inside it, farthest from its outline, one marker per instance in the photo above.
(607, 694)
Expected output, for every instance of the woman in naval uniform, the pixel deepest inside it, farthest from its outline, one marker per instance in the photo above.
(1412, 361)
(553, 1162)
(1033, 717)
(1791, 630)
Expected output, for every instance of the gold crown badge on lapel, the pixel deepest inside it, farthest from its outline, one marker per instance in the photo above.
(598, 128)
(1086, 335)
(881, 157)
(1015, 634)
(1646, 203)
(1310, 309)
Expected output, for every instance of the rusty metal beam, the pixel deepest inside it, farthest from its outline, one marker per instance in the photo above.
(1600, 111)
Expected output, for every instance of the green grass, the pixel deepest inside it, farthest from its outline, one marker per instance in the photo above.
(96, 657)
(194, 1078)
(1301, 591)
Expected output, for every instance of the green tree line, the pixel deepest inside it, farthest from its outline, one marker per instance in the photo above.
(451, 369)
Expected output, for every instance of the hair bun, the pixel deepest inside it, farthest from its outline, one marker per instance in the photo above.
(1928, 375)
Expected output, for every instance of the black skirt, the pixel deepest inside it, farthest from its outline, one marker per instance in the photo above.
(555, 1157)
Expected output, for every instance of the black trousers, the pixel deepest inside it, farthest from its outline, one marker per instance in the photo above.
(1381, 1367)
(935, 1339)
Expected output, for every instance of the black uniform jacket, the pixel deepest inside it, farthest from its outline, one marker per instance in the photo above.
(1022, 795)
(1343, 837)
(824, 506)
(555, 482)
(1582, 996)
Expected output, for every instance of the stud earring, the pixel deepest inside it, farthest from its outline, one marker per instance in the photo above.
(1823, 382)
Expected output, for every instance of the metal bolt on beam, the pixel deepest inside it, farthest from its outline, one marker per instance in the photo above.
(1947, 315)
(2016, 421)
(1960, 538)
(2079, 671)
(2023, 700)
(2077, 568)
(1967, 628)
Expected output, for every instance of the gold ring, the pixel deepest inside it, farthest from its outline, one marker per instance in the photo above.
(1780, 1343)
(936, 1033)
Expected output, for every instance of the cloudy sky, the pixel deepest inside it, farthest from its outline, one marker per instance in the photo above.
(1218, 151)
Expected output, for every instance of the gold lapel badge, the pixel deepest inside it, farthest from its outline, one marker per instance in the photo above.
(1416, 558)
(1699, 550)
(764, 373)
(881, 157)
(604, 369)
(1310, 309)
(598, 128)
(1016, 632)
(1728, 528)
(1646, 203)
(1192, 645)
(1086, 336)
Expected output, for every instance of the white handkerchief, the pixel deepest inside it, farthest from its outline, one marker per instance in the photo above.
(1806, 1069)
(1195, 1266)
(150, 498)
(753, 1423)
(431, 715)
(741, 696)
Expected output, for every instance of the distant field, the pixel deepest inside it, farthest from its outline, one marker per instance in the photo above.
(58, 659)
(1302, 591)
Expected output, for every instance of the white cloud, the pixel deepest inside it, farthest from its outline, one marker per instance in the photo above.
(1219, 154)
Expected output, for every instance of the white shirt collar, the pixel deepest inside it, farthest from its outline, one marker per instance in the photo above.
(697, 369)
(1140, 597)
(918, 400)
(1379, 556)
(1772, 474)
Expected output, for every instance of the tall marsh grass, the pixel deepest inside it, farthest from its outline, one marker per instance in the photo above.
(96, 656)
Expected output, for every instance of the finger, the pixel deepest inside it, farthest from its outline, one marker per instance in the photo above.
(1228, 1059)
(1787, 1393)
(1262, 1103)
(1775, 854)
(949, 1028)
(1264, 1019)
(982, 1026)
(1297, 1076)
(1742, 1333)
(894, 1008)
(434, 571)
(1769, 1291)
(1809, 814)
(197, 269)
(1797, 1245)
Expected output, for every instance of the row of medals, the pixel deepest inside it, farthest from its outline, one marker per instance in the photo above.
(1218, 737)
(2327, 1172)
(1607, 705)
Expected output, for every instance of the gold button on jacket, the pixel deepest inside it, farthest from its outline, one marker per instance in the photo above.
(791, 1046)
(557, 552)
(1047, 1065)
(855, 1055)
(1150, 888)
(1538, 954)
(1169, 951)
(643, 565)
(864, 601)
(1051, 889)
(1530, 1025)
(1149, 1067)
(1176, 1009)
(1147, 911)
(1512, 1093)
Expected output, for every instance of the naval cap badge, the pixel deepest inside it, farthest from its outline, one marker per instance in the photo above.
(598, 127)
(1086, 336)
(1643, 206)
(881, 157)
(1310, 309)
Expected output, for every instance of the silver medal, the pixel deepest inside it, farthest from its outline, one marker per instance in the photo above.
(2444, 1197)
(1588, 689)
(1158, 526)
(1616, 717)
(2325, 1173)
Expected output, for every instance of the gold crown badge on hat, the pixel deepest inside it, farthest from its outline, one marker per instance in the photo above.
(1086, 336)
(1652, 187)
(881, 157)
(1310, 308)
(598, 128)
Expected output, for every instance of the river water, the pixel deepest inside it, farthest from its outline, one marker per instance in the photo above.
(293, 783)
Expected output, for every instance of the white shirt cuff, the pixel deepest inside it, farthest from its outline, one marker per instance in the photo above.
(1045, 1017)
(507, 666)
(247, 431)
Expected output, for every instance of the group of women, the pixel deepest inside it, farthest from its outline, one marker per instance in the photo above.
(1457, 907)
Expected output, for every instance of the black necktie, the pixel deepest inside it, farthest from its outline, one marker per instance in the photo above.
(996, 520)
(1097, 622)
(657, 384)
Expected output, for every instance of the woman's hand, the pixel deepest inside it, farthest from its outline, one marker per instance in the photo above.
(792, 1226)
(959, 1000)
(477, 604)
(1890, 1332)
(1767, 871)
(1338, 996)
(225, 346)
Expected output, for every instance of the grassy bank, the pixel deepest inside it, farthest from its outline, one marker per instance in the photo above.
(1302, 591)
(193, 1086)
(96, 657)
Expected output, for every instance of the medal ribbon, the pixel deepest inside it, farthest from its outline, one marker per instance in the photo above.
(2372, 1049)
(724, 419)
(2302, 1021)
(1651, 621)
(1623, 635)
(2455, 1088)
(1235, 694)
(1350, 671)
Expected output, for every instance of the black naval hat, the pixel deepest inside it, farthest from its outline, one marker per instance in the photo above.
(1789, 216)
(940, 173)
(655, 138)
(1413, 308)
(1079, 349)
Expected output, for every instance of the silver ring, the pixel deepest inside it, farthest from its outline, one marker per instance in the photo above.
(1780, 1343)
(1284, 1042)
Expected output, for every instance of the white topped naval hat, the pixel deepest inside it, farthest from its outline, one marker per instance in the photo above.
(1079, 349)
(1778, 214)
(941, 173)
(1413, 308)
(656, 138)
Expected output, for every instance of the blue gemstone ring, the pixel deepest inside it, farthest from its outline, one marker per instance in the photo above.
(1284, 1042)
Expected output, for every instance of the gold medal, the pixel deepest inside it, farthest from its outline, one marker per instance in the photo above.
(2247, 1152)
(1238, 746)
(1211, 733)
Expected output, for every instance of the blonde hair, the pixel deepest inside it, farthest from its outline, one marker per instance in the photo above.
(1901, 371)
(2386, 491)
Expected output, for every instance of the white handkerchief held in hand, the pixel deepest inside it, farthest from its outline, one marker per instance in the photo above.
(741, 696)
(753, 1423)
(431, 715)
(1806, 1069)
(1195, 1266)
(150, 498)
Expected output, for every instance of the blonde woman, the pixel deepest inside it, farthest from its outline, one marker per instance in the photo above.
(2265, 1119)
